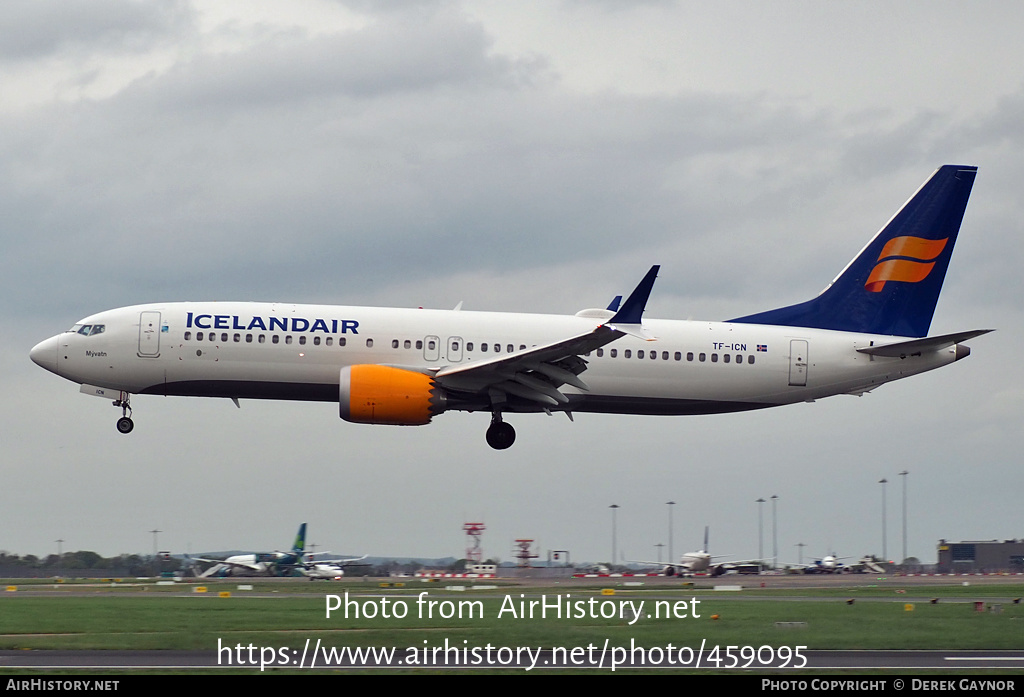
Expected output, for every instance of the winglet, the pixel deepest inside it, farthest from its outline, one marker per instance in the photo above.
(632, 310)
(614, 304)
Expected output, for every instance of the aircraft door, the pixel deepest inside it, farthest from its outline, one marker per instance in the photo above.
(454, 352)
(431, 348)
(798, 363)
(149, 334)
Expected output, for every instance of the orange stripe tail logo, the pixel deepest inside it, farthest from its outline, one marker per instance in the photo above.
(904, 259)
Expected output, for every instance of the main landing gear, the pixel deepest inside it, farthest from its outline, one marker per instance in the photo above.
(125, 423)
(500, 435)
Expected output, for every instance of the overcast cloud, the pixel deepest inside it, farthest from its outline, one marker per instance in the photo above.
(525, 157)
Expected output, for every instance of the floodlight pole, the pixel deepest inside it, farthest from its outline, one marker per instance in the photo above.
(671, 558)
(885, 549)
(760, 530)
(904, 474)
(615, 508)
(775, 532)
(155, 532)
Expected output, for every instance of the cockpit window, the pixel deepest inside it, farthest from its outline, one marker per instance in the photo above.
(89, 329)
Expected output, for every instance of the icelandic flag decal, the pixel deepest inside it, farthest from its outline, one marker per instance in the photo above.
(762, 347)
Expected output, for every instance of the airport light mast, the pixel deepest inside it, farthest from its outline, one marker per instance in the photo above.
(885, 549)
(775, 533)
(671, 551)
(615, 508)
(760, 529)
(156, 564)
(903, 475)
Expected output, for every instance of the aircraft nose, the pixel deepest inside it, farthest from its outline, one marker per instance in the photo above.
(44, 354)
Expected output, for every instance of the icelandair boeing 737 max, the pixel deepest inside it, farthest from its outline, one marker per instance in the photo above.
(406, 366)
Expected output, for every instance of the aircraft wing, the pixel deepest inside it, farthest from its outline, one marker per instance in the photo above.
(337, 562)
(241, 565)
(738, 562)
(676, 564)
(536, 374)
(817, 563)
(714, 563)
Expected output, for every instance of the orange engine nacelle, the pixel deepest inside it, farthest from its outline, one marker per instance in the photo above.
(378, 394)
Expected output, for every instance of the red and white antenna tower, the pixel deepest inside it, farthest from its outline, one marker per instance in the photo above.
(523, 553)
(474, 552)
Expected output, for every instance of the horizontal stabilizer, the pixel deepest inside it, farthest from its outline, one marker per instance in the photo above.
(901, 349)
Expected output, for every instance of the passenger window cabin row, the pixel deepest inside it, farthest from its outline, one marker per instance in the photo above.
(677, 355)
(303, 340)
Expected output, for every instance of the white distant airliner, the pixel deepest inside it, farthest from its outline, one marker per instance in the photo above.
(291, 563)
(405, 366)
(829, 564)
(698, 562)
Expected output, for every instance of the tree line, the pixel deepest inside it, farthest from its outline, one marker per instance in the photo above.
(84, 560)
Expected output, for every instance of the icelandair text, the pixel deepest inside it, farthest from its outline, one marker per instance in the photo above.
(269, 324)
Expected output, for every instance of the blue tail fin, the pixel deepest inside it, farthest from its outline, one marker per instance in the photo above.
(300, 541)
(893, 284)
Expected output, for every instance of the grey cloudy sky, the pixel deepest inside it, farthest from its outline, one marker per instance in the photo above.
(515, 156)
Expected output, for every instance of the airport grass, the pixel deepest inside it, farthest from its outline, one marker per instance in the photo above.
(145, 616)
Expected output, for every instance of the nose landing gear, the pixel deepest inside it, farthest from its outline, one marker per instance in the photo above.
(125, 423)
(500, 435)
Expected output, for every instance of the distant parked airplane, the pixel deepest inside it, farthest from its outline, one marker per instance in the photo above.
(274, 563)
(699, 562)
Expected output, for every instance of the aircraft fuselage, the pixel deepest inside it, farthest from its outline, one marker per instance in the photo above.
(282, 351)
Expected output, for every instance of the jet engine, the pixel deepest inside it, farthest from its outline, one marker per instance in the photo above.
(379, 394)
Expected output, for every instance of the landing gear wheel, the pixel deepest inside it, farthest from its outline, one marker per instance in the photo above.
(500, 435)
(125, 423)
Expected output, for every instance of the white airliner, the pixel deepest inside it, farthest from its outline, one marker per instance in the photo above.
(829, 564)
(326, 570)
(699, 562)
(278, 563)
(260, 563)
(405, 366)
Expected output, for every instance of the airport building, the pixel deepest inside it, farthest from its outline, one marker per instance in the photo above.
(988, 556)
